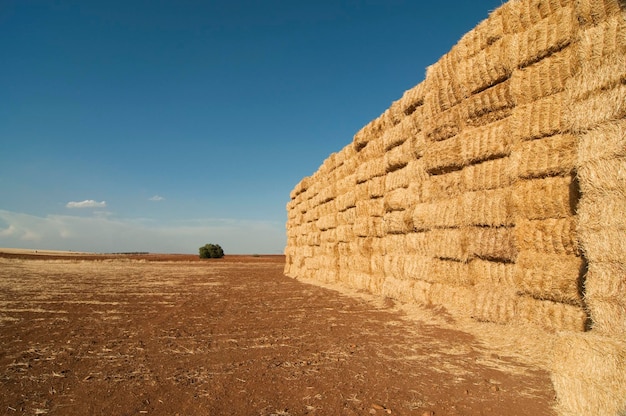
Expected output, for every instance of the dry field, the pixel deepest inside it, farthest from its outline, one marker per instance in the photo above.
(173, 335)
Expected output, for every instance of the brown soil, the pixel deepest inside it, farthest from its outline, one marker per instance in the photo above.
(174, 335)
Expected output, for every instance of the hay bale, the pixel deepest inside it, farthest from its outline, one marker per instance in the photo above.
(593, 12)
(600, 211)
(443, 157)
(551, 236)
(434, 270)
(491, 141)
(603, 107)
(485, 34)
(376, 187)
(416, 243)
(449, 243)
(397, 222)
(545, 77)
(441, 214)
(491, 207)
(589, 374)
(543, 38)
(552, 197)
(541, 118)
(397, 157)
(607, 141)
(488, 106)
(551, 316)
(398, 289)
(490, 174)
(397, 200)
(550, 156)
(442, 125)
(346, 201)
(492, 243)
(494, 305)
(493, 274)
(605, 285)
(438, 187)
(556, 277)
(486, 68)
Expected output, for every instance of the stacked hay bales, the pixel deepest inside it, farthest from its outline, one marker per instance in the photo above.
(495, 188)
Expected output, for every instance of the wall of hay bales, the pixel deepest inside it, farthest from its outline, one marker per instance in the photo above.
(495, 188)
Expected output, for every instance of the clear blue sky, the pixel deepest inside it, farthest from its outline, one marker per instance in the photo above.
(160, 126)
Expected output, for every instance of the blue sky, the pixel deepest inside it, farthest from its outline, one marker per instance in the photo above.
(160, 126)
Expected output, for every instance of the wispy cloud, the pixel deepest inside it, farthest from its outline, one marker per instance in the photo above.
(88, 203)
(156, 198)
(99, 233)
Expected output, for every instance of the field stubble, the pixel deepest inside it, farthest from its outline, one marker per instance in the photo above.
(106, 336)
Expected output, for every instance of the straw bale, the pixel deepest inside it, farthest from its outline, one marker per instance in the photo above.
(417, 243)
(377, 264)
(393, 137)
(601, 51)
(398, 157)
(485, 34)
(487, 142)
(602, 211)
(546, 37)
(445, 186)
(550, 156)
(393, 265)
(443, 157)
(439, 214)
(491, 243)
(397, 199)
(359, 280)
(535, 10)
(345, 233)
(329, 236)
(593, 12)
(346, 201)
(412, 99)
(457, 299)
(486, 68)
(361, 192)
(346, 184)
(491, 207)
(370, 208)
(540, 118)
(397, 179)
(599, 177)
(605, 285)
(443, 125)
(442, 89)
(589, 374)
(397, 222)
(419, 144)
(556, 277)
(392, 244)
(489, 105)
(376, 187)
(490, 174)
(552, 236)
(605, 106)
(551, 316)
(487, 273)
(421, 292)
(536, 199)
(607, 141)
(546, 77)
(498, 305)
(607, 244)
(449, 243)
(347, 216)
(434, 270)
(398, 289)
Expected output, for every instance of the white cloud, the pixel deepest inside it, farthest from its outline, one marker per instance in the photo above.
(156, 198)
(88, 203)
(108, 234)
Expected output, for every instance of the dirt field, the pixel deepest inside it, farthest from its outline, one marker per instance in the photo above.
(174, 335)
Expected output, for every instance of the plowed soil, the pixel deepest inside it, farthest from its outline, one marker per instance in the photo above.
(173, 335)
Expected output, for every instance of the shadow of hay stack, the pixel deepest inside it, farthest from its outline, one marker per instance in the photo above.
(497, 189)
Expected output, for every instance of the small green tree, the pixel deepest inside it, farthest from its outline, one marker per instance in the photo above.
(211, 251)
